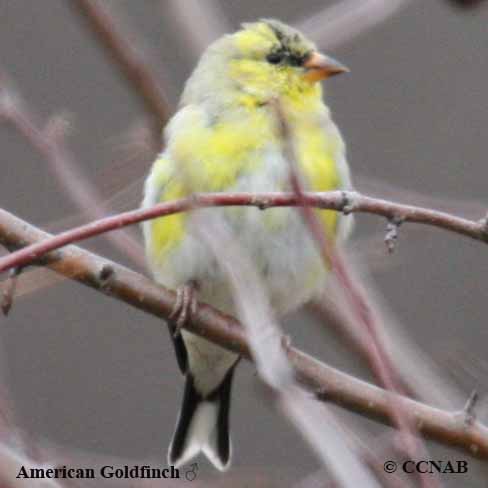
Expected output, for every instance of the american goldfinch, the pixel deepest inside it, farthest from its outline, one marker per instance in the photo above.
(224, 138)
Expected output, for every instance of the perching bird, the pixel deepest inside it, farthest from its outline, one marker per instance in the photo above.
(224, 138)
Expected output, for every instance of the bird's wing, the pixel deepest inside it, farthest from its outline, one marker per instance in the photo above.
(203, 154)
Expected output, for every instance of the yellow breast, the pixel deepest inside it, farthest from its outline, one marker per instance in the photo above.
(213, 157)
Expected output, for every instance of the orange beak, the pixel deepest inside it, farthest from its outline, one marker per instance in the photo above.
(320, 67)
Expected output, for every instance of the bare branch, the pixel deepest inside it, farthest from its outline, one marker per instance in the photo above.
(328, 200)
(63, 165)
(347, 20)
(468, 411)
(318, 426)
(356, 298)
(421, 377)
(131, 61)
(328, 383)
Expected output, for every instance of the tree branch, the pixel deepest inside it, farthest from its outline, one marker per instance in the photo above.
(357, 301)
(130, 60)
(347, 202)
(318, 426)
(326, 382)
(64, 166)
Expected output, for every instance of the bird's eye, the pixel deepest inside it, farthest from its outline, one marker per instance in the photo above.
(275, 58)
(296, 60)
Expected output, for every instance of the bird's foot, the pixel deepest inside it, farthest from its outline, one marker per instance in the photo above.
(184, 308)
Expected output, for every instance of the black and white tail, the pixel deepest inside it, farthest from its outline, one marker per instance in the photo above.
(203, 425)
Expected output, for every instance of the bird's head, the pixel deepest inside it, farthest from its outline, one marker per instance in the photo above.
(262, 61)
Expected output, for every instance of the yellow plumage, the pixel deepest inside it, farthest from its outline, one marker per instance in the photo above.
(224, 138)
(219, 154)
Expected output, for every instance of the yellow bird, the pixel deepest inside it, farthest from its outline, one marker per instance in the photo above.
(224, 138)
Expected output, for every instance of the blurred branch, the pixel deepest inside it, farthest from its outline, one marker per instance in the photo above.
(421, 378)
(348, 202)
(200, 23)
(12, 461)
(130, 60)
(357, 300)
(326, 382)
(317, 425)
(347, 20)
(50, 145)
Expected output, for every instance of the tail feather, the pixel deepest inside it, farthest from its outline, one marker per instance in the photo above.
(203, 425)
(179, 448)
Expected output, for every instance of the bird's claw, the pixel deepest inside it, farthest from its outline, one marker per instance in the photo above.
(185, 307)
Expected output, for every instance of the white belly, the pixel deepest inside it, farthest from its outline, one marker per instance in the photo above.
(275, 239)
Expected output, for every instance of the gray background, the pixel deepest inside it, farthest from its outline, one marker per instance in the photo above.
(90, 373)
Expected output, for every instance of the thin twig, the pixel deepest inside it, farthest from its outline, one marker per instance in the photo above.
(328, 383)
(318, 426)
(347, 20)
(356, 298)
(131, 61)
(469, 410)
(328, 200)
(331, 309)
(49, 143)
(421, 378)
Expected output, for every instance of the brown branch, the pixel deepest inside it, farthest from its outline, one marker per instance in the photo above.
(50, 145)
(331, 310)
(328, 383)
(131, 61)
(336, 200)
(318, 426)
(357, 301)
